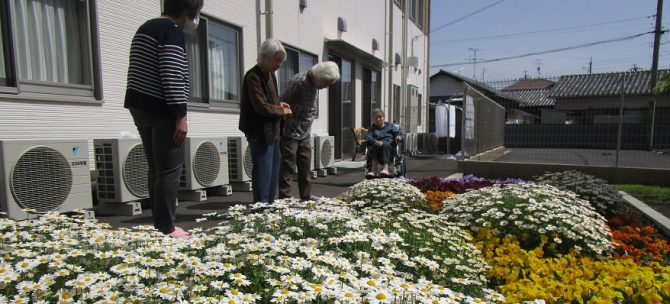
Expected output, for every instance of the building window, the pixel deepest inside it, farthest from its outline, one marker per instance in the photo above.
(419, 18)
(296, 61)
(416, 12)
(6, 73)
(396, 104)
(53, 42)
(213, 53)
(371, 94)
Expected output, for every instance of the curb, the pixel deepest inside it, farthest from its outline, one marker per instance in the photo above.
(662, 222)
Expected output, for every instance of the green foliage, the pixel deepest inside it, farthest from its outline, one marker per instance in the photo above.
(663, 86)
(603, 196)
(653, 195)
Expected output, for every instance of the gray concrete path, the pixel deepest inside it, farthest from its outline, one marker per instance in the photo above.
(349, 173)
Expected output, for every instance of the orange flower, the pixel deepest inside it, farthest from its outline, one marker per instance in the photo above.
(435, 198)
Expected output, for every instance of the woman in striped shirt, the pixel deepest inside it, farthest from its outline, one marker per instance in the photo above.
(156, 95)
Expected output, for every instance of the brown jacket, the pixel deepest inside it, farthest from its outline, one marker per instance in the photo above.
(260, 112)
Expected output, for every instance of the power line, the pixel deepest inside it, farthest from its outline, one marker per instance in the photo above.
(542, 31)
(466, 16)
(549, 51)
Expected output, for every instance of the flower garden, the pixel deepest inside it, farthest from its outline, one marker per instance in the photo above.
(564, 238)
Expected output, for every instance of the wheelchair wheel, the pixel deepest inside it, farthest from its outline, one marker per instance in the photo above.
(400, 166)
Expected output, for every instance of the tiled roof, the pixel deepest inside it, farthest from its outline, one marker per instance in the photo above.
(477, 84)
(529, 84)
(533, 98)
(606, 84)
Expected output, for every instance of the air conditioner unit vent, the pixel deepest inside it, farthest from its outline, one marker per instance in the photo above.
(206, 165)
(47, 169)
(122, 170)
(324, 152)
(248, 163)
(135, 172)
(240, 165)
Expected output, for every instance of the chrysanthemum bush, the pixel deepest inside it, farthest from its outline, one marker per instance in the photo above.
(603, 196)
(384, 190)
(288, 252)
(541, 215)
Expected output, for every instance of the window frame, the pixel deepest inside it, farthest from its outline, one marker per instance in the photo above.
(299, 51)
(206, 101)
(366, 82)
(31, 90)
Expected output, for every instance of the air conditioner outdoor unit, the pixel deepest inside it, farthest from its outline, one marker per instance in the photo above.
(206, 163)
(44, 175)
(324, 152)
(122, 170)
(239, 159)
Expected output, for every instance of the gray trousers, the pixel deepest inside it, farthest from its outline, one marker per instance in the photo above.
(295, 153)
(165, 161)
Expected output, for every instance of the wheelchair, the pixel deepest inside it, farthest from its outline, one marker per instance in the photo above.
(397, 164)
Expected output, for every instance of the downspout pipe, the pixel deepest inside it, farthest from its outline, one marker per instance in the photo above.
(404, 117)
(391, 64)
(258, 24)
(268, 19)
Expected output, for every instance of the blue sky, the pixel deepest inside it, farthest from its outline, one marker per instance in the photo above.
(530, 26)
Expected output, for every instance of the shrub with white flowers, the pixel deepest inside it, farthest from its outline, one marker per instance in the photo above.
(286, 252)
(384, 190)
(603, 196)
(541, 215)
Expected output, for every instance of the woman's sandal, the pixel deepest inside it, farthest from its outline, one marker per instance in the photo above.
(384, 173)
(370, 175)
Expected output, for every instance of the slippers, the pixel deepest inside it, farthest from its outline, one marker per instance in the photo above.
(370, 175)
(179, 233)
(384, 173)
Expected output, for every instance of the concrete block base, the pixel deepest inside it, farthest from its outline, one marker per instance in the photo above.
(199, 195)
(128, 209)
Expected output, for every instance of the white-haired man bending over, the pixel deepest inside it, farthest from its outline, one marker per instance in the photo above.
(302, 95)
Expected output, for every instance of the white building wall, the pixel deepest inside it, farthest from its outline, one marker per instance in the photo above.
(27, 117)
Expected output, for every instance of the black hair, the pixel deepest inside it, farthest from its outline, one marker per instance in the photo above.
(174, 8)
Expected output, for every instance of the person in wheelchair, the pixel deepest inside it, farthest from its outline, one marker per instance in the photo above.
(382, 138)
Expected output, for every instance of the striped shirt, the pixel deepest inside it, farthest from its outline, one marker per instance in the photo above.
(158, 71)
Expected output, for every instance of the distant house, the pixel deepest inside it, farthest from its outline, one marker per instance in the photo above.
(583, 111)
(536, 101)
(445, 85)
(596, 98)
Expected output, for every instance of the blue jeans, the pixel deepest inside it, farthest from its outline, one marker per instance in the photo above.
(165, 161)
(265, 175)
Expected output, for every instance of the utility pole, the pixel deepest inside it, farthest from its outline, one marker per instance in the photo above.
(654, 67)
(474, 62)
(538, 62)
(483, 71)
(590, 65)
(657, 41)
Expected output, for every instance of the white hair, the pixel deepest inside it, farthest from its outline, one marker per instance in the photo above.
(377, 111)
(270, 48)
(326, 70)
